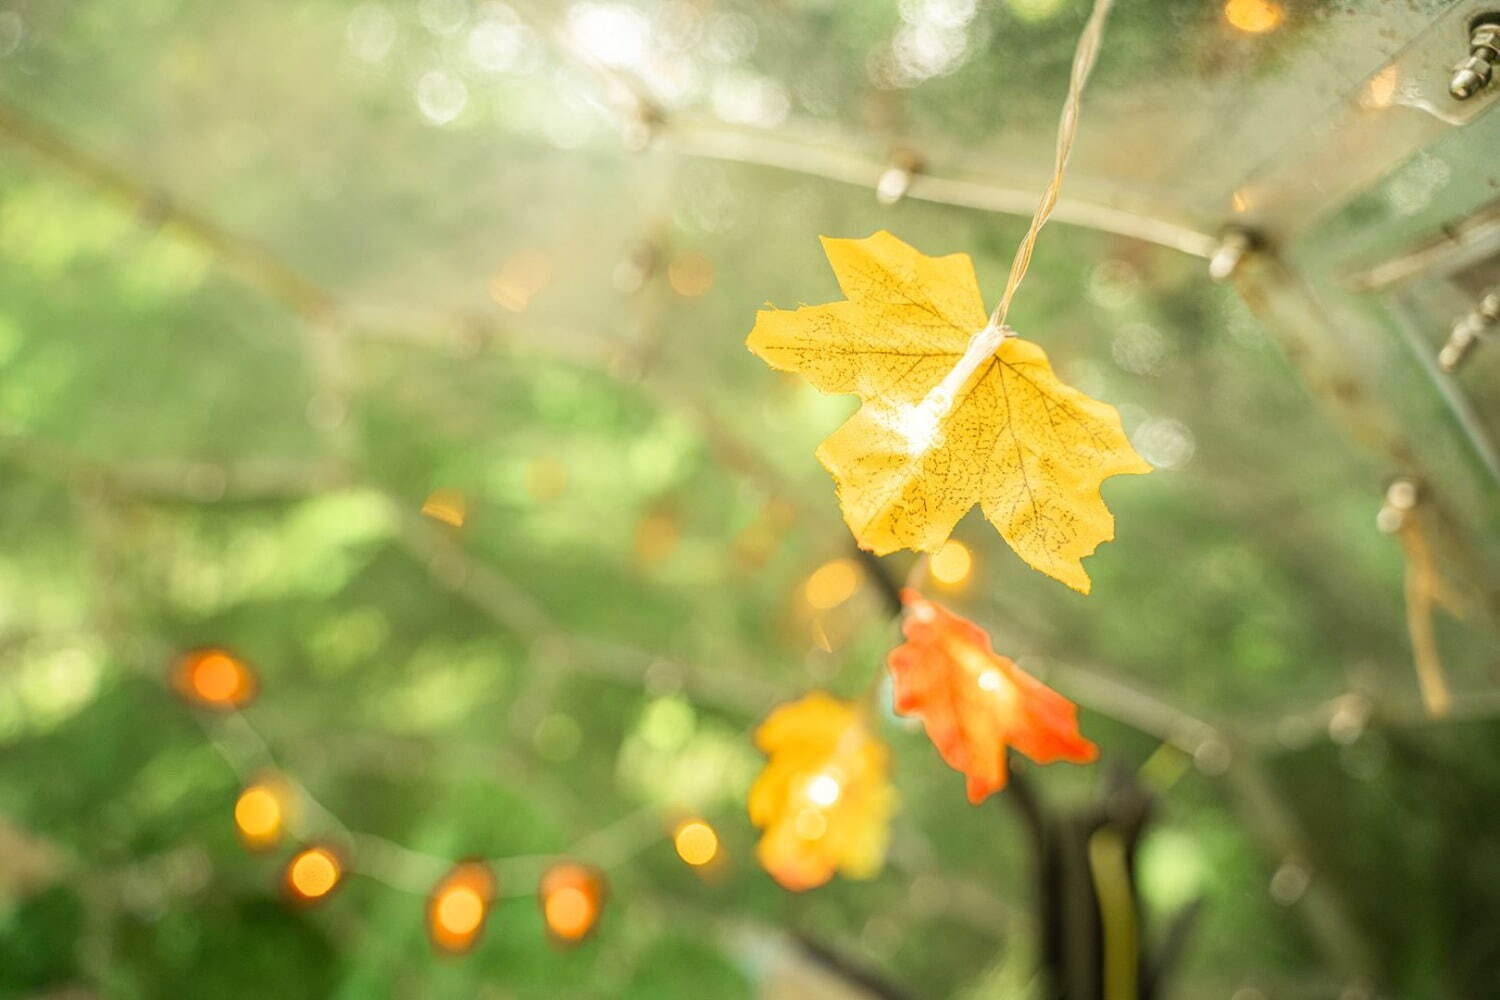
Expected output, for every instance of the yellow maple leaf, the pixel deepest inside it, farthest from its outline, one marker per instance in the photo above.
(824, 799)
(956, 412)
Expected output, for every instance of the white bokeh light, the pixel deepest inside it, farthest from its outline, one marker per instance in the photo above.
(824, 790)
(614, 34)
(939, 13)
(1140, 349)
(441, 96)
(371, 32)
(750, 100)
(1164, 442)
(444, 17)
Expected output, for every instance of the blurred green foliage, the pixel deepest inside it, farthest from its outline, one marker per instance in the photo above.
(186, 460)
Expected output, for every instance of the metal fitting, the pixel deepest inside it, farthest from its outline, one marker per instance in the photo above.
(1401, 497)
(1469, 329)
(1234, 244)
(897, 178)
(1474, 73)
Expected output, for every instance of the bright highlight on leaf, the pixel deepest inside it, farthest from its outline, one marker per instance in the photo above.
(459, 904)
(313, 873)
(974, 703)
(955, 412)
(824, 799)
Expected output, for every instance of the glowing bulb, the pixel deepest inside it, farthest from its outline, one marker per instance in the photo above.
(458, 906)
(259, 815)
(1253, 17)
(459, 910)
(696, 842)
(831, 584)
(571, 896)
(824, 790)
(951, 564)
(313, 873)
(214, 678)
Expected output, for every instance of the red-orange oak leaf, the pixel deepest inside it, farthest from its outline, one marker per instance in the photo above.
(974, 702)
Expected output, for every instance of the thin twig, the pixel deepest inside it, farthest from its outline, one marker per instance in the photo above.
(251, 262)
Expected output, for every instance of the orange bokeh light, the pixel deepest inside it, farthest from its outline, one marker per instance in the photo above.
(459, 904)
(313, 873)
(215, 678)
(1253, 17)
(260, 814)
(571, 896)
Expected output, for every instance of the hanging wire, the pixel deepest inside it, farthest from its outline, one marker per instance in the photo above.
(1067, 127)
(249, 755)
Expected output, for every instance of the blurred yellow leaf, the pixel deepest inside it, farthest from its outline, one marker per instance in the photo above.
(824, 799)
(956, 412)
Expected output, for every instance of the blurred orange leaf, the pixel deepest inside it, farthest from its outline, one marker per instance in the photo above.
(824, 799)
(956, 412)
(974, 702)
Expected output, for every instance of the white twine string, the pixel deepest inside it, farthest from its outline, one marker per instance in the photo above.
(919, 425)
(1084, 56)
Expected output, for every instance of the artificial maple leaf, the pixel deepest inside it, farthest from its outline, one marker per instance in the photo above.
(824, 799)
(956, 412)
(974, 702)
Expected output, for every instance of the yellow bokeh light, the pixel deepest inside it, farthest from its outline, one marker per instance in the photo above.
(696, 842)
(656, 538)
(448, 506)
(258, 815)
(831, 584)
(457, 909)
(951, 564)
(1253, 17)
(313, 873)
